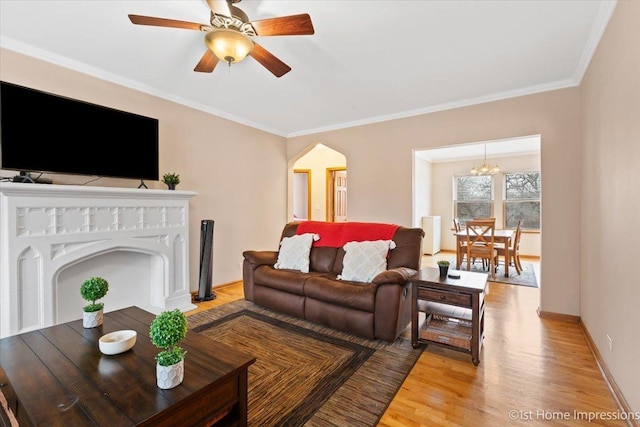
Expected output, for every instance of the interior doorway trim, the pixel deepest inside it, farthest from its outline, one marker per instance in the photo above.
(330, 193)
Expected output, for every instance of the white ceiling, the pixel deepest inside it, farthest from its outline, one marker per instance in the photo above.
(368, 61)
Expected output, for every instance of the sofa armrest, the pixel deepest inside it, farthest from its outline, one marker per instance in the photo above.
(253, 260)
(398, 275)
(258, 258)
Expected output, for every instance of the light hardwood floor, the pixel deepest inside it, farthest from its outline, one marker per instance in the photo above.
(533, 371)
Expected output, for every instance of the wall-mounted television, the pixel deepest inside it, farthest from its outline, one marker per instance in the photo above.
(43, 132)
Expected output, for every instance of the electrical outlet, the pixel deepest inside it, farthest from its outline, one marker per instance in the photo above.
(610, 342)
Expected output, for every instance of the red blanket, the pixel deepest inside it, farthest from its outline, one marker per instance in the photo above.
(336, 234)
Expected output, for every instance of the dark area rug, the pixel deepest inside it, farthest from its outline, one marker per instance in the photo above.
(526, 278)
(306, 374)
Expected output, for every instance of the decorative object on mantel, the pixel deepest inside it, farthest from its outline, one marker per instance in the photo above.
(166, 332)
(92, 290)
(443, 265)
(171, 179)
(485, 169)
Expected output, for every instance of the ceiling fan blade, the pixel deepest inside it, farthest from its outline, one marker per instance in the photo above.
(294, 25)
(270, 62)
(163, 22)
(221, 7)
(207, 63)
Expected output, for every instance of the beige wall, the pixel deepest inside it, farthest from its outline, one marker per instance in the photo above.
(422, 190)
(238, 172)
(610, 285)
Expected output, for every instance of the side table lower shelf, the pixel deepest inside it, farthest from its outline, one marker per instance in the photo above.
(447, 325)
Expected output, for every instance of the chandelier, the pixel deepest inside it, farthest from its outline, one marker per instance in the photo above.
(485, 169)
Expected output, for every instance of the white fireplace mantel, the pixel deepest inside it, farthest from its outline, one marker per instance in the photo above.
(52, 237)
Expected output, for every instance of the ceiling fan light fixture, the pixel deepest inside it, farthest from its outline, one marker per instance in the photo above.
(228, 45)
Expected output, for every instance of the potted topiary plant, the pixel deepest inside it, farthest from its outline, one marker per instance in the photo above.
(92, 290)
(165, 332)
(443, 265)
(171, 179)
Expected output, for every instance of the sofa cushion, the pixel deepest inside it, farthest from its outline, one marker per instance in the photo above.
(291, 281)
(407, 252)
(322, 259)
(360, 296)
(365, 260)
(294, 252)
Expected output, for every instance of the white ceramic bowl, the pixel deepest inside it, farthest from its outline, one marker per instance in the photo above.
(117, 342)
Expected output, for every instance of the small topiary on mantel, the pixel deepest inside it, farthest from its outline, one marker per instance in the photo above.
(171, 179)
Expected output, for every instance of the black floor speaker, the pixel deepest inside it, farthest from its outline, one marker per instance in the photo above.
(206, 261)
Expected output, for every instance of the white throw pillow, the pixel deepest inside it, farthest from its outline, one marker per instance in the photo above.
(365, 260)
(294, 252)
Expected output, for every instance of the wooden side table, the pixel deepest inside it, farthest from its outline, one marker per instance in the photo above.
(453, 310)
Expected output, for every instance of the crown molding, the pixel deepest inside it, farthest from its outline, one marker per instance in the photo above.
(561, 84)
(597, 30)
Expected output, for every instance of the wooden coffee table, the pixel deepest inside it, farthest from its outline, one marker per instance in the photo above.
(453, 310)
(57, 376)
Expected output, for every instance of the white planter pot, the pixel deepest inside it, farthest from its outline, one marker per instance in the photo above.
(92, 319)
(170, 376)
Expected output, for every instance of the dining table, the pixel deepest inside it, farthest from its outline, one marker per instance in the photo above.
(499, 236)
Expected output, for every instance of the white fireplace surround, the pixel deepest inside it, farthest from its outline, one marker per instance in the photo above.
(53, 237)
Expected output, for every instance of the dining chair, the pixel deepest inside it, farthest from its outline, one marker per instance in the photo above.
(484, 261)
(515, 250)
(462, 244)
(457, 226)
(480, 243)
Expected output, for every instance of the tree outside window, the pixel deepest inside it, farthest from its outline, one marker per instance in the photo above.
(473, 197)
(522, 200)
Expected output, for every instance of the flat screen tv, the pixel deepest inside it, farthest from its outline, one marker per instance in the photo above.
(42, 132)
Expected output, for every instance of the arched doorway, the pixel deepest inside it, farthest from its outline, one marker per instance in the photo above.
(324, 168)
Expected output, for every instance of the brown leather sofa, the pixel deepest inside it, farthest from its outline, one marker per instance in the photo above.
(377, 310)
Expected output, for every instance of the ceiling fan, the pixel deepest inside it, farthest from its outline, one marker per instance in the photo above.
(228, 35)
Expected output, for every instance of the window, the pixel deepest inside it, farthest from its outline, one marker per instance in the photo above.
(473, 197)
(522, 200)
